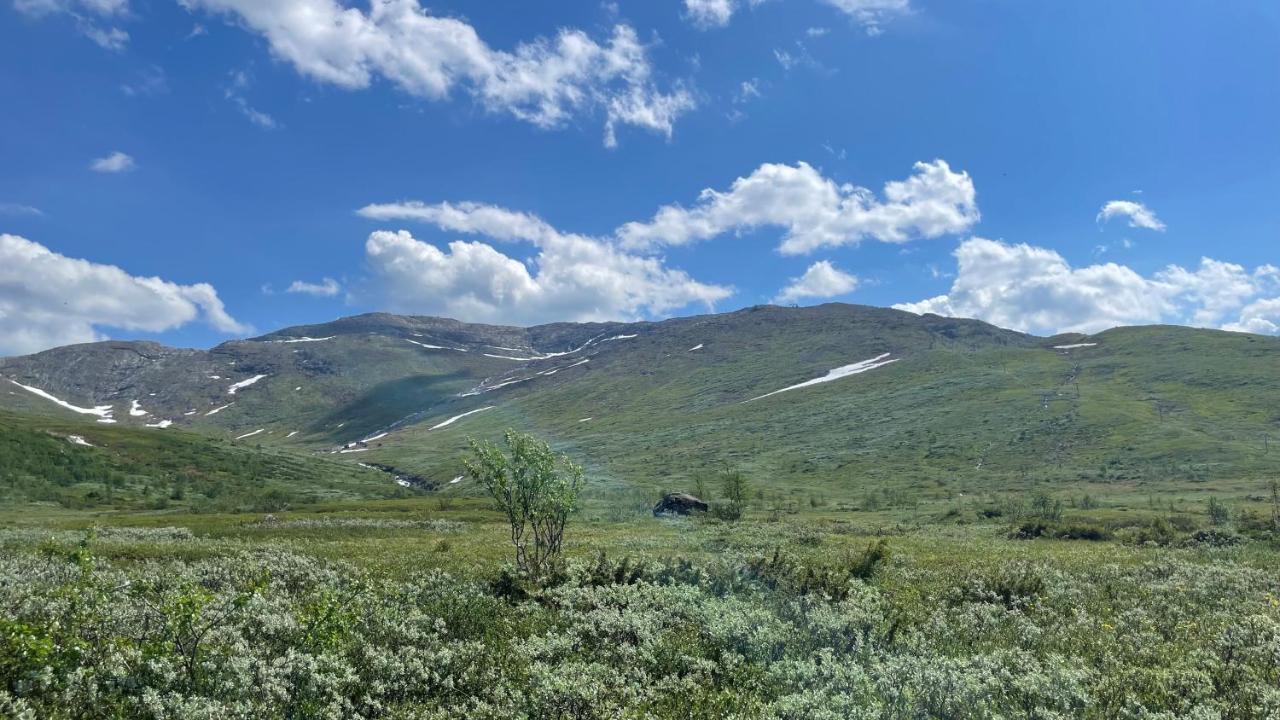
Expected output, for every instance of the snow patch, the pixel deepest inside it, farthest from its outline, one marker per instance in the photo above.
(190, 412)
(251, 434)
(136, 410)
(379, 436)
(433, 347)
(162, 424)
(79, 440)
(840, 372)
(620, 337)
(584, 419)
(102, 411)
(695, 347)
(553, 371)
(456, 480)
(456, 418)
(243, 384)
(295, 432)
(1073, 347)
(351, 450)
(217, 410)
(304, 338)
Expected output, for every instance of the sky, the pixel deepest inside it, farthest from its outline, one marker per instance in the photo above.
(192, 171)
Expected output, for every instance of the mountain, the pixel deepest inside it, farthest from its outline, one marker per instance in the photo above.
(916, 405)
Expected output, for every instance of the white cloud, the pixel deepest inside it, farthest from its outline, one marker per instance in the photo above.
(871, 14)
(116, 162)
(18, 209)
(47, 299)
(1260, 316)
(821, 280)
(234, 92)
(87, 14)
(747, 90)
(572, 277)
(709, 13)
(1140, 216)
(545, 82)
(328, 287)
(816, 212)
(1035, 289)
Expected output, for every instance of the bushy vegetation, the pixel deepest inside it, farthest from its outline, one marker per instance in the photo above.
(118, 624)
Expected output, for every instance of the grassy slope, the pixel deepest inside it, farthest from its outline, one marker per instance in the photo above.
(134, 469)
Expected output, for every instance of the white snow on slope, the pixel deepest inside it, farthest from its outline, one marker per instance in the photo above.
(243, 384)
(456, 418)
(304, 338)
(620, 337)
(499, 347)
(251, 434)
(456, 480)
(379, 436)
(481, 389)
(215, 377)
(840, 372)
(696, 347)
(433, 347)
(584, 419)
(136, 410)
(190, 412)
(351, 450)
(295, 432)
(102, 411)
(162, 424)
(79, 440)
(217, 410)
(553, 371)
(511, 357)
(1073, 347)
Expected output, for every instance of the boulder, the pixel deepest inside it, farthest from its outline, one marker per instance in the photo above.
(679, 503)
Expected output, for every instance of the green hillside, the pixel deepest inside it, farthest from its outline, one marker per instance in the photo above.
(959, 415)
(91, 466)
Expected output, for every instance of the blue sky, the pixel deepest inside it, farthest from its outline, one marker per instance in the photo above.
(170, 169)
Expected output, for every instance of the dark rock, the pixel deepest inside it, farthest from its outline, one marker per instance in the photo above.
(679, 504)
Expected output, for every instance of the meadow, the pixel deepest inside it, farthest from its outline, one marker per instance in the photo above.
(409, 608)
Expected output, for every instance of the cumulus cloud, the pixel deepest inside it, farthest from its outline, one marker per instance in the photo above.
(571, 277)
(116, 162)
(1035, 289)
(816, 212)
(1139, 215)
(821, 280)
(545, 82)
(47, 299)
(88, 16)
(328, 287)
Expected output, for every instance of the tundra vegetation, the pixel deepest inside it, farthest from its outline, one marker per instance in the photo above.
(1061, 606)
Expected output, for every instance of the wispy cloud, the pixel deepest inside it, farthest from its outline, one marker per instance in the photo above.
(328, 287)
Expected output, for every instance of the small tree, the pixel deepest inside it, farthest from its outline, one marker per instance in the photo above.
(1218, 512)
(534, 488)
(736, 490)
